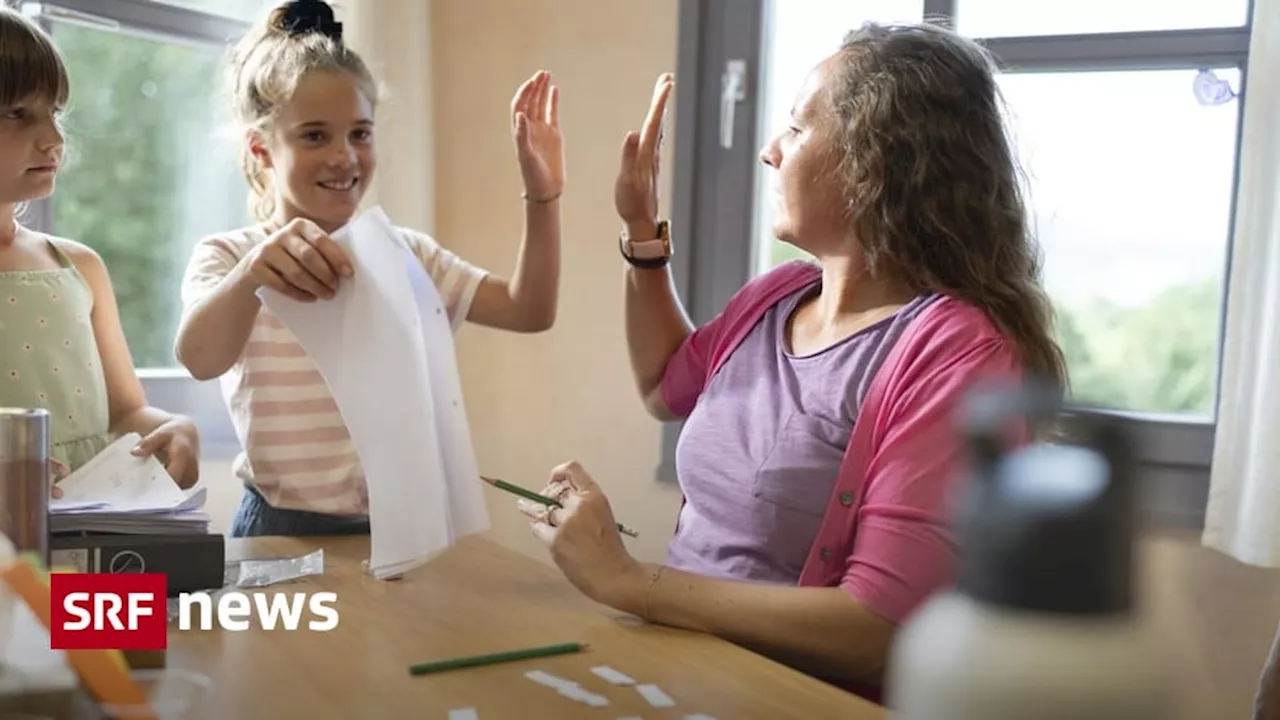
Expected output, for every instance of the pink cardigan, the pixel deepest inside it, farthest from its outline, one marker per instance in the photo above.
(885, 537)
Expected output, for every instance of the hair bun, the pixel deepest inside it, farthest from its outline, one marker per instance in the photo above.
(307, 16)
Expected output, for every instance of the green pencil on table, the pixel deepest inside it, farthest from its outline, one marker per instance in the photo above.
(479, 660)
(535, 497)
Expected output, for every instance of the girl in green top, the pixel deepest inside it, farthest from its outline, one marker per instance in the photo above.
(61, 344)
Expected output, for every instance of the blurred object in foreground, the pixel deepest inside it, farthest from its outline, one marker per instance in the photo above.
(1042, 623)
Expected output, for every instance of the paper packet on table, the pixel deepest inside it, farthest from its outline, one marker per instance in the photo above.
(261, 572)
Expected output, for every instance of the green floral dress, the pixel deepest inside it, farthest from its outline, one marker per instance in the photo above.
(49, 357)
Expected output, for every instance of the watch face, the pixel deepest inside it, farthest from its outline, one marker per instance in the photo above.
(651, 250)
(651, 253)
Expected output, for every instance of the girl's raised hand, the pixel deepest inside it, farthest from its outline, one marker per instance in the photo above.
(535, 126)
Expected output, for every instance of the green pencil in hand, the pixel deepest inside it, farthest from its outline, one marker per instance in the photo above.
(535, 497)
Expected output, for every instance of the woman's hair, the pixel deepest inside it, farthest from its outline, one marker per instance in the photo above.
(931, 182)
(296, 39)
(30, 65)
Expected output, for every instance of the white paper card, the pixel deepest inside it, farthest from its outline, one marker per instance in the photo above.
(463, 714)
(655, 696)
(610, 675)
(548, 680)
(575, 692)
(385, 348)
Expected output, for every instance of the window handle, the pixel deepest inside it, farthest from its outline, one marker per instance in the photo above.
(733, 90)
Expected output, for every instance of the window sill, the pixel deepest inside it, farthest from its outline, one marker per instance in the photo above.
(1180, 441)
(174, 373)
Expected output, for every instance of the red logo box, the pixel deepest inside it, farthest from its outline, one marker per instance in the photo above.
(109, 612)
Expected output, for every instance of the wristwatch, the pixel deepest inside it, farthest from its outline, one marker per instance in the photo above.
(648, 254)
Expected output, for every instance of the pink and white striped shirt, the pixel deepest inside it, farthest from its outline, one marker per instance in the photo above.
(297, 451)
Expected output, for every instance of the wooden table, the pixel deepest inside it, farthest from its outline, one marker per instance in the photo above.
(476, 598)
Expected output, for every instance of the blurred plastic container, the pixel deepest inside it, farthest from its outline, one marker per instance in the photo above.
(172, 694)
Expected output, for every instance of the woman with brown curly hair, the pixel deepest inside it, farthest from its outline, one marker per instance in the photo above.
(818, 451)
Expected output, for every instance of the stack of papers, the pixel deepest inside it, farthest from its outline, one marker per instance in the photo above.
(384, 345)
(118, 493)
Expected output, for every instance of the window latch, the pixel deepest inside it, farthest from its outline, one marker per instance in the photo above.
(733, 90)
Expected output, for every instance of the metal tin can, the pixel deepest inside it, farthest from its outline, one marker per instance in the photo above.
(24, 479)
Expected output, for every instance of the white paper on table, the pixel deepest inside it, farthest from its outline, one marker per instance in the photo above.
(115, 480)
(613, 676)
(655, 696)
(384, 345)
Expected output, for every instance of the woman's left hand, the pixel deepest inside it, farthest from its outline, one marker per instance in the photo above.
(535, 125)
(176, 444)
(583, 537)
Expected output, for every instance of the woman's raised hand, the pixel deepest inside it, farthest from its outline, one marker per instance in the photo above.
(635, 194)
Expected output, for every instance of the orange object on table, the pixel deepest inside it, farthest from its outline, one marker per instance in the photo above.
(103, 672)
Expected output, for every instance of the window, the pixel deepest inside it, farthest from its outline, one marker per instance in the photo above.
(247, 10)
(142, 184)
(1013, 18)
(1137, 288)
(1122, 110)
(151, 164)
(798, 37)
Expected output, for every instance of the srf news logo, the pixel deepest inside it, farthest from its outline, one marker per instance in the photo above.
(130, 611)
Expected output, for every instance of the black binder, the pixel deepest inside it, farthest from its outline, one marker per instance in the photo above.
(191, 561)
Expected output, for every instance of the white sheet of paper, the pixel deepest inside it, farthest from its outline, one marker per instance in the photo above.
(115, 480)
(385, 348)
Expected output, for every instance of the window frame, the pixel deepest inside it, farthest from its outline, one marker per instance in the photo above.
(709, 220)
(172, 389)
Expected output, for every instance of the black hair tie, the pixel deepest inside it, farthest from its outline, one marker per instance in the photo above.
(307, 16)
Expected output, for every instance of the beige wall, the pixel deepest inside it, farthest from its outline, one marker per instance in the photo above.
(536, 401)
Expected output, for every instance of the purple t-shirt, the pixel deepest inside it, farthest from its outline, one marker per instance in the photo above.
(759, 454)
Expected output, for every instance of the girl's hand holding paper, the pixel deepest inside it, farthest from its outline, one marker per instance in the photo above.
(301, 261)
(57, 471)
(176, 444)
